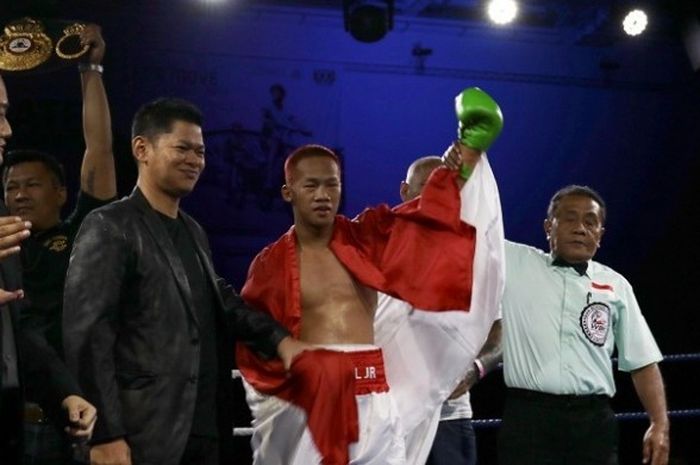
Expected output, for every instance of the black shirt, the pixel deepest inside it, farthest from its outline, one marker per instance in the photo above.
(204, 421)
(10, 392)
(45, 256)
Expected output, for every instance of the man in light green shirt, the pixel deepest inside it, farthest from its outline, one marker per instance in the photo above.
(563, 315)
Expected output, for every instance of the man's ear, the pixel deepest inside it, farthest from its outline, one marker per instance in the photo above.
(547, 225)
(139, 148)
(62, 196)
(403, 191)
(286, 193)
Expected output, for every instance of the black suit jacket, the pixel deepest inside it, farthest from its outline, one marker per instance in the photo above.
(131, 333)
(34, 361)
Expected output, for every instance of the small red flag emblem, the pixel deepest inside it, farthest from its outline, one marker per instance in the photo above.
(603, 287)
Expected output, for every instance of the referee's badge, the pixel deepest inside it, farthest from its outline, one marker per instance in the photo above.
(595, 322)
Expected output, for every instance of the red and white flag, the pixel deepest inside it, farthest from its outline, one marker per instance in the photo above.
(427, 353)
(431, 263)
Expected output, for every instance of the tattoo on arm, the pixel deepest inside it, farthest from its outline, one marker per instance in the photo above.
(90, 182)
(491, 353)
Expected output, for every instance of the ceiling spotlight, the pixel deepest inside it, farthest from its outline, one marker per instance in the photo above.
(502, 11)
(368, 20)
(635, 22)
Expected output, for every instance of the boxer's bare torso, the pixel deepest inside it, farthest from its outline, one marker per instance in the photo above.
(336, 309)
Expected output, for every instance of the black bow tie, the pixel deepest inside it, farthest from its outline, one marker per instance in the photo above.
(579, 267)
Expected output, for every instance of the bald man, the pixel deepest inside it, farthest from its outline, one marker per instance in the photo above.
(455, 442)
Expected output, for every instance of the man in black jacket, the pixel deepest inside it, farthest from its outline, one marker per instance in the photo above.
(41, 365)
(148, 325)
(34, 185)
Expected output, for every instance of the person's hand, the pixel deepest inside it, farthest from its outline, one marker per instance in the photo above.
(656, 444)
(289, 348)
(92, 36)
(81, 417)
(458, 154)
(451, 158)
(466, 384)
(116, 452)
(12, 231)
(459, 390)
(9, 296)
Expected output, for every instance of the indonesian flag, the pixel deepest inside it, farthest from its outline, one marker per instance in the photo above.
(422, 254)
(427, 353)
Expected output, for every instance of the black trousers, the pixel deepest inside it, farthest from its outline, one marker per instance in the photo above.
(547, 429)
(201, 450)
(48, 444)
(454, 444)
(10, 420)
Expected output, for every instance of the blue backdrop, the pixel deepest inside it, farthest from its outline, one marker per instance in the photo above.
(622, 117)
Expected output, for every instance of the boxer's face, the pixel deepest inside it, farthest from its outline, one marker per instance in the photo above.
(173, 160)
(314, 191)
(5, 129)
(575, 229)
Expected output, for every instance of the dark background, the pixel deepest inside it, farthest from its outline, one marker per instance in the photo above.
(582, 102)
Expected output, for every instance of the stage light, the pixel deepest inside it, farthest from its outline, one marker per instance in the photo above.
(502, 11)
(635, 22)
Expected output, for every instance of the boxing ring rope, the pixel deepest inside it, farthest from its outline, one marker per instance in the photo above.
(495, 422)
(242, 431)
(625, 416)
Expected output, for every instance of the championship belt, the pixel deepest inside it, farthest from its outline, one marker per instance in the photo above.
(24, 45)
(27, 44)
(68, 46)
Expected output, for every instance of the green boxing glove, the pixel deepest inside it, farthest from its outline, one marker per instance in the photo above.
(480, 118)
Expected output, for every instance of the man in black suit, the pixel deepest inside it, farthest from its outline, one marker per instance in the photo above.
(40, 365)
(34, 184)
(148, 326)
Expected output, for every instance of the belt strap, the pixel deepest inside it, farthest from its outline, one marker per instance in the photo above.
(369, 371)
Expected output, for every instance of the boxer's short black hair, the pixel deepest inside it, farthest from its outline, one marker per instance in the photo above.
(306, 151)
